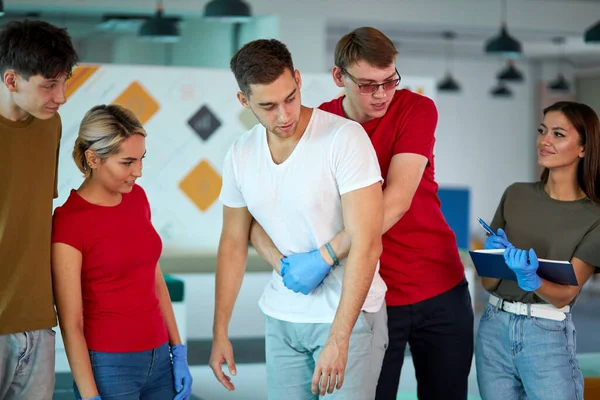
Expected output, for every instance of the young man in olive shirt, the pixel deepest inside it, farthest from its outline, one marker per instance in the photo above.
(36, 59)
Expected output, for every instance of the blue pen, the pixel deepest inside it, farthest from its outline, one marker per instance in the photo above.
(486, 227)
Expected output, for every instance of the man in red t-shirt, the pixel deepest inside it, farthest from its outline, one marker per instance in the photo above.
(429, 306)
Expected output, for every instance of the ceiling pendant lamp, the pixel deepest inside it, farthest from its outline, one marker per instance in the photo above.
(592, 35)
(448, 84)
(510, 73)
(228, 11)
(159, 28)
(560, 84)
(504, 44)
(501, 91)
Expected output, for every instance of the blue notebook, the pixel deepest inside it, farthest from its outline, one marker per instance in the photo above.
(491, 264)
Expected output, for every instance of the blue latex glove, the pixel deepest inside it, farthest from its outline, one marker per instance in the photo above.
(497, 242)
(524, 268)
(181, 372)
(94, 398)
(303, 272)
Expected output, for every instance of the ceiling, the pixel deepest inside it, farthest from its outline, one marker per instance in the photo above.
(416, 26)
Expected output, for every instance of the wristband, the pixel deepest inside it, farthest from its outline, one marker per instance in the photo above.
(336, 262)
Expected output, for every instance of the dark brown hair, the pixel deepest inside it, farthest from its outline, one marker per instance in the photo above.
(36, 48)
(260, 62)
(586, 123)
(366, 44)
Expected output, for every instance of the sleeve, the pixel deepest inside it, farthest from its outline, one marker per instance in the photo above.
(59, 136)
(417, 135)
(354, 161)
(231, 194)
(588, 250)
(498, 221)
(65, 229)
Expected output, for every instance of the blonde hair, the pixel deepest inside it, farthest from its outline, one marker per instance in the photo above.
(102, 130)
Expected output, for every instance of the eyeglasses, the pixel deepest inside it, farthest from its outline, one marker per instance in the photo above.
(371, 88)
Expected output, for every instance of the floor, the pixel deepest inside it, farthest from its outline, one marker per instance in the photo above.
(250, 381)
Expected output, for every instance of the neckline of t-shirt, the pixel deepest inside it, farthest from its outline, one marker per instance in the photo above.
(544, 194)
(88, 203)
(298, 147)
(17, 124)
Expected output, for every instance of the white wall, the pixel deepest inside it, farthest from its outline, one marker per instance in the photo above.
(482, 142)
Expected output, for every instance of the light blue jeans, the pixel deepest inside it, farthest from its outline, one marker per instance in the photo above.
(145, 375)
(520, 357)
(27, 365)
(292, 350)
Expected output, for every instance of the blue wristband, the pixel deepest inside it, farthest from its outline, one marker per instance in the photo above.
(336, 262)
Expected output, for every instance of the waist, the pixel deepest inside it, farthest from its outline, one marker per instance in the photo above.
(124, 334)
(319, 306)
(547, 311)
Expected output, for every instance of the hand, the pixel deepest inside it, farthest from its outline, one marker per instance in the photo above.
(181, 372)
(497, 242)
(222, 351)
(304, 272)
(93, 398)
(526, 270)
(330, 367)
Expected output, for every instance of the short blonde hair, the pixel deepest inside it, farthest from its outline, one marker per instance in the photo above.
(102, 130)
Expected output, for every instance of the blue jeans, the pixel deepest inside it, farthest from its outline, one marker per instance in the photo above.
(520, 357)
(292, 350)
(145, 375)
(27, 365)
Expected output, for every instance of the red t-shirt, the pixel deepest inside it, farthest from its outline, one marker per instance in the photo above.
(120, 250)
(420, 257)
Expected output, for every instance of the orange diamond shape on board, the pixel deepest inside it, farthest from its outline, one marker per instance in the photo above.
(202, 185)
(80, 75)
(138, 100)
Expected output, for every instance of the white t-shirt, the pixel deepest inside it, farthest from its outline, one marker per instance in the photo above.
(298, 203)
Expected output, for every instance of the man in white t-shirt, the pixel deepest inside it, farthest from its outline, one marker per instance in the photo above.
(304, 175)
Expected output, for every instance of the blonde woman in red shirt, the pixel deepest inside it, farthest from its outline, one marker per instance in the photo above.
(114, 309)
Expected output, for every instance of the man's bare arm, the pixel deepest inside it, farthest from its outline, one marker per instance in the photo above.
(231, 264)
(363, 217)
(265, 247)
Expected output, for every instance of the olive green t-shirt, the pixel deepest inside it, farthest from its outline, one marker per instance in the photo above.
(28, 182)
(556, 230)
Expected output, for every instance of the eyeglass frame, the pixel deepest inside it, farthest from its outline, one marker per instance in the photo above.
(375, 85)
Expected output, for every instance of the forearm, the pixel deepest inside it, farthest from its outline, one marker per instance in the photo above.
(166, 308)
(490, 284)
(79, 361)
(392, 213)
(358, 277)
(231, 264)
(264, 246)
(557, 295)
(394, 209)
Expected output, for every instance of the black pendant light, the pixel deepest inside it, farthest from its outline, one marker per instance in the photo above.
(228, 10)
(560, 84)
(592, 35)
(501, 91)
(160, 28)
(510, 73)
(448, 84)
(504, 44)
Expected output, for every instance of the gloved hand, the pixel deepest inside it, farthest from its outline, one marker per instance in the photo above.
(94, 398)
(497, 242)
(303, 272)
(525, 269)
(181, 372)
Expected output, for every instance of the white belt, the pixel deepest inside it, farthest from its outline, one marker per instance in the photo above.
(547, 311)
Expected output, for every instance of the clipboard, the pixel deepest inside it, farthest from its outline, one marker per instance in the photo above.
(491, 264)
